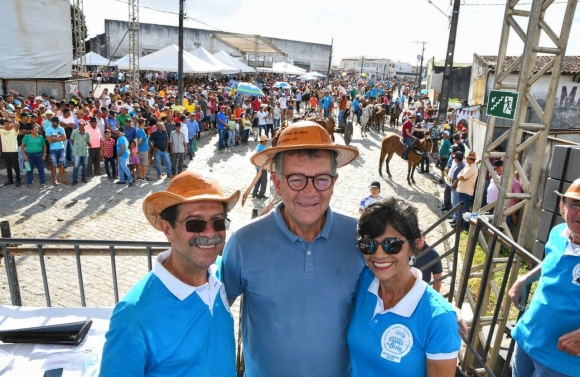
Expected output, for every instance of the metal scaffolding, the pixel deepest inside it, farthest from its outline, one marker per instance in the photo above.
(79, 31)
(133, 75)
(537, 26)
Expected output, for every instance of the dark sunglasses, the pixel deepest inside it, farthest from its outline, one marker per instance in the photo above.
(391, 245)
(198, 226)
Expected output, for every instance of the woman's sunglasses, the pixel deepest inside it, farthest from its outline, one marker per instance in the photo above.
(391, 245)
(198, 226)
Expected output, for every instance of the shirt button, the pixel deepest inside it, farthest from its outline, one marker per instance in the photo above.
(308, 253)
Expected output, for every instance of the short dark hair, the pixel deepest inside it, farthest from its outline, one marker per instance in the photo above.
(170, 214)
(398, 213)
(278, 160)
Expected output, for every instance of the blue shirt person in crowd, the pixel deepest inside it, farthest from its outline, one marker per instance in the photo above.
(548, 333)
(176, 321)
(222, 122)
(400, 325)
(297, 267)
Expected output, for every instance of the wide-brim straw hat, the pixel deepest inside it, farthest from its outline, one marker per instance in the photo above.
(305, 135)
(573, 191)
(187, 187)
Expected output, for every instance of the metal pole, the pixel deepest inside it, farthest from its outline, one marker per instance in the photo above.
(11, 272)
(180, 58)
(330, 58)
(442, 111)
(362, 64)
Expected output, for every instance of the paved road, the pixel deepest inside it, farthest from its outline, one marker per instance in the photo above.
(104, 210)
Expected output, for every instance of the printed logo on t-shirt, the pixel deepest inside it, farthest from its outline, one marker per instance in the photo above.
(225, 298)
(576, 275)
(396, 342)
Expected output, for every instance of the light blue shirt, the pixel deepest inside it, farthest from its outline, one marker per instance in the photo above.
(164, 327)
(555, 307)
(120, 141)
(192, 128)
(297, 295)
(58, 131)
(326, 102)
(398, 341)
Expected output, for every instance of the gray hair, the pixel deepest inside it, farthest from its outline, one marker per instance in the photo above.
(278, 160)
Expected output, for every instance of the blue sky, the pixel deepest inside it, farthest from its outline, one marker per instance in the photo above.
(370, 27)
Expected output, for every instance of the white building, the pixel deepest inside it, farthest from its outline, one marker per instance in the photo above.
(377, 68)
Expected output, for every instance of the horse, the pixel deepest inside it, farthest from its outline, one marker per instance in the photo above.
(395, 113)
(365, 120)
(328, 124)
(392, 143)
(379, 117)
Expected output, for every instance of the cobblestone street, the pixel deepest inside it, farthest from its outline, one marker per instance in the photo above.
(102, 210)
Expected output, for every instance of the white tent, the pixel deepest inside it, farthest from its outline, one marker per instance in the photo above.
(92, 58)
(287, 68)
(231, 61)
(123, 63)
(207, 57)
(166, 60)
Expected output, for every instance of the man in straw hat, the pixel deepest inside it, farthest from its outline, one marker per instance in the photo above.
(298, 266)
(466, 184)
(548, 333)
(176, 321)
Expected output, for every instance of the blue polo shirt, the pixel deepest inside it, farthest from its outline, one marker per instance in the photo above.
(398, 341)
(555, 307)
(141, 134)
(122, 140)
(113, 123)
(58, 131)
(326, 102)
(221, 117)
(164, 327)
(356, 104)
(374, 92)
(130, 133)
(298, 296)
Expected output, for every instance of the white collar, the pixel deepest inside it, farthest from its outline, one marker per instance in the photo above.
(571, 248)
(179, 289)
(408, 303)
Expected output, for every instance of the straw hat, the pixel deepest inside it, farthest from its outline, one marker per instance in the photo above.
(305, 135)
(187, 187)
(263, 138)
(471, 155)
(573, 191)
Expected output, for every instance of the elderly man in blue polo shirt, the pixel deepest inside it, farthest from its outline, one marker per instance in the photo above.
(548, 334)
(298, 266)
(176, 321)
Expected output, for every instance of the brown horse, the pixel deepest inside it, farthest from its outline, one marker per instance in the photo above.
(395, 113)
(392, 143)
(328, 125)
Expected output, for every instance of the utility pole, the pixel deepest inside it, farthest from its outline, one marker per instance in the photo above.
(362, 64)
(330, 58)
(444, 101)
(134, 50)
(180, 56)
(421, 65)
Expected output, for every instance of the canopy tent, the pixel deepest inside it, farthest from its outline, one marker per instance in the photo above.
(316, 74)
(166, 60)
(287, 68)
(123, 62)
(207, 57)
(231, 61)
(92, 58)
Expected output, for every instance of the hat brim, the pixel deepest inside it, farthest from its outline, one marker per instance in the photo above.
(157, 202)
(573, 195)
(345, 155)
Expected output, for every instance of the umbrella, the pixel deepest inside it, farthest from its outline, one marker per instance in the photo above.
(249, 89)
(281, 85)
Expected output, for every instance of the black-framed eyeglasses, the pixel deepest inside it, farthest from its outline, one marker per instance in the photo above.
(391, 245)
(298, 182)
(198, 225)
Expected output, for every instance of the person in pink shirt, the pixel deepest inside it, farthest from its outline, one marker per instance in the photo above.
(94, 163)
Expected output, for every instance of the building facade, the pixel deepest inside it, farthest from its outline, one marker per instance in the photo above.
(376, 68)
(310, 56)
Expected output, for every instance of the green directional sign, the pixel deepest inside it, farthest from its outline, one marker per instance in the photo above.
(502, 104)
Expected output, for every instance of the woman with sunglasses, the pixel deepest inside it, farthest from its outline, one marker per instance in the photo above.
(400, 325)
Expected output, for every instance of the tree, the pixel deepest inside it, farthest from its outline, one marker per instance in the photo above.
(72, 23)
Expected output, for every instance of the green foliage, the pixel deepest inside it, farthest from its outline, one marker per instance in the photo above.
(454, 100)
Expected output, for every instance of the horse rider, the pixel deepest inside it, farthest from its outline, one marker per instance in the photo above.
(408, 138)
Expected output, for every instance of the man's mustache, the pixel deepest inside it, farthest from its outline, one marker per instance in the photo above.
(206, 241)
